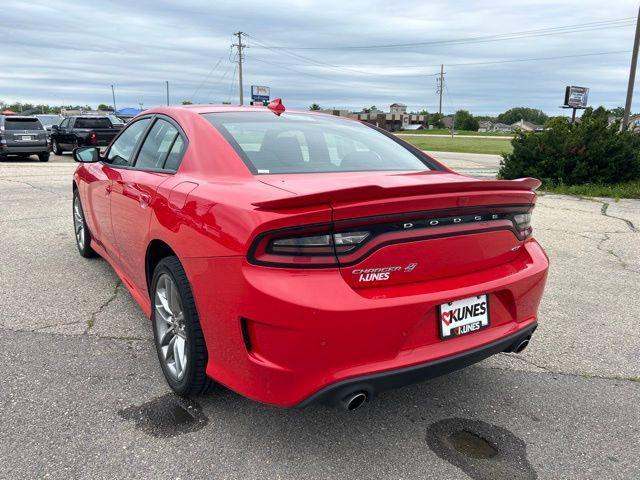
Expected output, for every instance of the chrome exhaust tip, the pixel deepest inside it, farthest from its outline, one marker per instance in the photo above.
(522, 345)
(354, 401)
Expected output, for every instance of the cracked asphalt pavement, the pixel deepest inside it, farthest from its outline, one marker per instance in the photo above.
(83, 396)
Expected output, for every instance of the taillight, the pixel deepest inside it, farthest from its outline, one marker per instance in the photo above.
(92, 137)
(326, 244)
(523, 223)
(311, 249)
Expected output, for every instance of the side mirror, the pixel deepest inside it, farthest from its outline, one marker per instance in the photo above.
(55, 128)
(86, 154)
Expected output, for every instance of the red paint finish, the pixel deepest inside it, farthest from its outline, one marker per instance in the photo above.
(311, 320)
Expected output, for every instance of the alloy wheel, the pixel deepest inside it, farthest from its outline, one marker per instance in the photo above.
(170, 326)
(78, 222)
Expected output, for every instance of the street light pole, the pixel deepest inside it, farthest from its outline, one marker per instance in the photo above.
(167, 82)
(113, 95)
(632, 75)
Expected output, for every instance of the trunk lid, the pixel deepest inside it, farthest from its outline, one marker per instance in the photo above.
(422, 226)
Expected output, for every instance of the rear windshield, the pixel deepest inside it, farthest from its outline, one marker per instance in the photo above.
(22, 124)
(299, 143)
(92, 123)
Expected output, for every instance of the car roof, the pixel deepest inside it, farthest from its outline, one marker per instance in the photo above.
(201, 109)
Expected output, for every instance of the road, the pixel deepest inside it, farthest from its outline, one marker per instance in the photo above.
(83, 396)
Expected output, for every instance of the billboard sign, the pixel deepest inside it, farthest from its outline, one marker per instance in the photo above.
(260, 93)
(576, 97)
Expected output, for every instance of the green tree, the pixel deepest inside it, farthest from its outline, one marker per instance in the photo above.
(465, 121)
(588, 151)
(187, 102)
(617, 112)
(435, 119)
(314, 107)
(103, 107)
(516, 114)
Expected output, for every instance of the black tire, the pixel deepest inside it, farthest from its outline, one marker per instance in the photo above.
(43, 157)
(84, 247)
(195, 380)
(55, 146)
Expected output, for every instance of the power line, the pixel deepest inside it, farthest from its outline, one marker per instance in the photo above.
(233, 82)
(287, 67)
(491, 62)
(219, 81)
(560, 30)
(309, 60)
(195, 92)
(515, 60)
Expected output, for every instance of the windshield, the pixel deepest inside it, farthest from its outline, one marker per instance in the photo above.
(115, 120)
(300, 143)
(98, 122)
(49, 120)
(22, 124)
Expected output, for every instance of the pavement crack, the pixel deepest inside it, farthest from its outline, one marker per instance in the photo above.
(92, 319)
(603, 211)
(44, 327)
(605, 238)
(32, 186)
(551, 371)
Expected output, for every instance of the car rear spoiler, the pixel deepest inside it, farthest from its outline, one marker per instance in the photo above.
(375, 192)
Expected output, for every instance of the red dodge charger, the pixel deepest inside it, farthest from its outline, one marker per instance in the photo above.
(302, 258)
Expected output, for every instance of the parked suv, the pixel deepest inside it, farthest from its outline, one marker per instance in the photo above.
(79, 131)
(23, 136)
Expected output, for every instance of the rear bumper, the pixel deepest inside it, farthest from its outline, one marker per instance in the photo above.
(32, 149)
(287, 337)
(379, 382)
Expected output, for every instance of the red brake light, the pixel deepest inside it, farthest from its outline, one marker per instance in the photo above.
(311, 248)
(92, 137)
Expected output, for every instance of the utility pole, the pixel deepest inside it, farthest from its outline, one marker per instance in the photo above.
(240, 46)
(632, 75)
(167, 82)
(113, 95)
(441, 87)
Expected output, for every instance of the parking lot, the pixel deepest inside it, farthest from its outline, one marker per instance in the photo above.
(83, 395)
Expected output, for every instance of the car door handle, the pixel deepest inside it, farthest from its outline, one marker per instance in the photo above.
(144, 199)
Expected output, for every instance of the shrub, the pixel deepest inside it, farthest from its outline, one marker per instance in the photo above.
(587, 151)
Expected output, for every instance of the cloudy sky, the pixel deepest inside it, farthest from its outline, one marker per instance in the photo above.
(342, 54)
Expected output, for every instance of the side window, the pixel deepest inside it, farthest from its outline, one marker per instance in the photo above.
(175, 155)
(65, 123)
(121, 151)
(157, 145)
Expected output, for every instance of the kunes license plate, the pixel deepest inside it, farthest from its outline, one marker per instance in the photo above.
(463, 316)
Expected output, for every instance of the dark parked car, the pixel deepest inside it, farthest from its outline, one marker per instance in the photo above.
(82, 131)
(23, 136)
